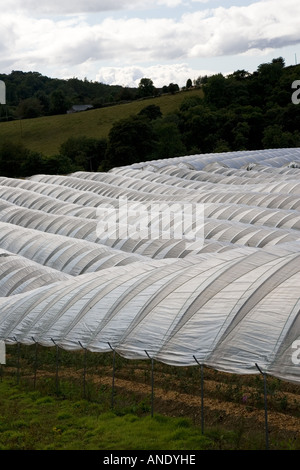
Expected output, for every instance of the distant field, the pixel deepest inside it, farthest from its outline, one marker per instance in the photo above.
(46, 134)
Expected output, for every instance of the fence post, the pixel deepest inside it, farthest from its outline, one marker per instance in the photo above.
(113, 376)
(84, 368)
(18, 361)
(35, 362)
(57, 364)
(152, 383)
(2, 358)
(202, 394)
(265, 402)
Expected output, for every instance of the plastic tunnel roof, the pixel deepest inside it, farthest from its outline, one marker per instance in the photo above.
(74, 271)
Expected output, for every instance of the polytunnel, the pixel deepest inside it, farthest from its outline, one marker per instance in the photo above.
(220, 284)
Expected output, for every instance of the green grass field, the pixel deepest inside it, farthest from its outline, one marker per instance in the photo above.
(32, 421)
(46, 134)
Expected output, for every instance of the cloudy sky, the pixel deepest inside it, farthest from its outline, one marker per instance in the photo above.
(122, 41)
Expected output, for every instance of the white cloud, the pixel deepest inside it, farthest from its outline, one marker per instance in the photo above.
(234, 30)
(160, 74)
(70, 46)
(72, 7)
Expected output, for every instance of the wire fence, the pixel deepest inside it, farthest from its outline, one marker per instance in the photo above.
(121, 384)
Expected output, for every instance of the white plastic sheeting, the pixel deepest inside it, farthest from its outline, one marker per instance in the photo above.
(20, 275)
(270, 158)
(229, 298)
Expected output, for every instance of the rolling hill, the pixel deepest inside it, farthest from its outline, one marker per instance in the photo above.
(46, 134)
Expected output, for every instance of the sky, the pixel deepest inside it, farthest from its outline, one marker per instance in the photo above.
(118, 42)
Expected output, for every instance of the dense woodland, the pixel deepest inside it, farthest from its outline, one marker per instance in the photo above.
(241, 111)
(30, 94)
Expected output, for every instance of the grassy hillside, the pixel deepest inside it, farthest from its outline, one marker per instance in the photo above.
(46, 134)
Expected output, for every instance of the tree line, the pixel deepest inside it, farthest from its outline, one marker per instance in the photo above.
(240, 112)
(30, 94)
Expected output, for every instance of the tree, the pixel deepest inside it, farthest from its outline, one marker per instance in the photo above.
(59, 104)
(18, 161)
(130, 140)
(85, 153)
(29, 108)
(169, 140)
(58, 165)
(171, 88)
(241, 134)
(200, 80)
(268, 81)
(276, 137)
(125, 94)
(189, 83)
(44, 100)
(146, 88)
(199, 127)
(32, 164)
(239, 74)
(152, 112)
(221, 146)
(189, 102)
(215, 91)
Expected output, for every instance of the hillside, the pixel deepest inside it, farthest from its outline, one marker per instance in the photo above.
(235, 113)
(46, 134)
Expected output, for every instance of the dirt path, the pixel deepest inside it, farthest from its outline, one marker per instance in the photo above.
(190, 405)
